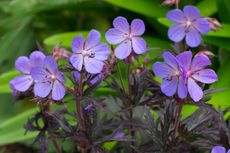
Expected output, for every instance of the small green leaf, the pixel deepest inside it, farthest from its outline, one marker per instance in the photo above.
(150, 8)
(221, 42)
(221, 99)
(64, 39)
(207, 7)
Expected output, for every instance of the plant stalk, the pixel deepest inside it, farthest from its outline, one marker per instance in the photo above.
(132, 133)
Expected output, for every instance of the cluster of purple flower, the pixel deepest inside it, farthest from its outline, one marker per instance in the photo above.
(42, 72)
(180, 73)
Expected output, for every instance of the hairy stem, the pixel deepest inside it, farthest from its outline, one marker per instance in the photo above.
(177, 120)
(80, 118)
(132, 133)
(78, 105)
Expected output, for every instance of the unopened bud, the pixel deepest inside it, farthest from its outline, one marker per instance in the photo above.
(170, 2)
(214, 24)
(60, 53)
(206, 53)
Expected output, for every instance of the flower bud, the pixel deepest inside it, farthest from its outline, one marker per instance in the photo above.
(170, 2)
(206, 53)
(214, 23)
(60, 53)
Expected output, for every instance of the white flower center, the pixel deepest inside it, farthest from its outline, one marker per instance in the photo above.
(53, 77)
(188, 23)
(88, 53)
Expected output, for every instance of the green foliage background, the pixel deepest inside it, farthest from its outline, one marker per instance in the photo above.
(27, 25)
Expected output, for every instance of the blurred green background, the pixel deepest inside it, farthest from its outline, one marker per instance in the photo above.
(27, 25)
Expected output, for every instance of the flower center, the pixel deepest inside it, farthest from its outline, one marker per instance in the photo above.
(130, 36)
(189, 74)
(188, 23)
(88, 53)
(53, 77)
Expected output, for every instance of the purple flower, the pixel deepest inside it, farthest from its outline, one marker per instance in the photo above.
(219, 149)
(90, 53)
(128, 37)
(172, 74)
(24, 64)
(49, 80)
(195, 70)
(189, 24)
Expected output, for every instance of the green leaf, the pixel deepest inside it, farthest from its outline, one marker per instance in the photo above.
(5, 79)
(12, 130)
(221, 99)
(64, 39)
(150, 8)
(221, 42)
(207, 7)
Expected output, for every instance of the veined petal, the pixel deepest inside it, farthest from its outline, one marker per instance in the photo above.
(199, 62)
(93, 39)
(218, 149)
(193, 38)
(61, 77)
(170, 59)
(202, 25)
(182, 90)
(162, 70)
(205, 76)
(139, 45)
(77, 61)
(123, 50)
(77, 44)
(137, 27)
(58, 91)
(39, 73)
(37, 58)
(121, 24)
(23, 65)
(176, 33)
(115, 36)
(194, 90)
(93, 65)
(176, 16)
(102, 51)
(169, 87)
(185, 59)
(22, 83)
(43, 89)
(191, 12)
(228, 151)
(50, 64)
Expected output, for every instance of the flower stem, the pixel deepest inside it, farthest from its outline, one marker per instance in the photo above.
(132, 133)
(177, 120)
(80, 118)
(78, 105)
(120, 76)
